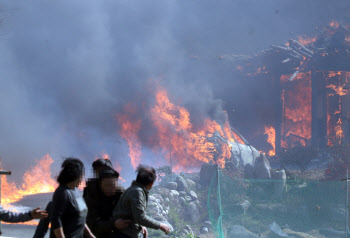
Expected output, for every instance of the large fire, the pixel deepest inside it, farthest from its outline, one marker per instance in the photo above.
(184, 145)
(297, 109)
(35, 180)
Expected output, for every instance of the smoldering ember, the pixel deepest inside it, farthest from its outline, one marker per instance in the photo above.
(242, 108)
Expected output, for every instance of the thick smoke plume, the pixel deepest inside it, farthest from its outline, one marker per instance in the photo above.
(68, 67)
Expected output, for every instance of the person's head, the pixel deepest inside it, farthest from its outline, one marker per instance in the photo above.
(146, 176)
(101, 164)
(72, 172)
(108, 181)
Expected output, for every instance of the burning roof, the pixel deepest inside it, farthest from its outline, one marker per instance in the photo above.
(331, 44)
(310, 82)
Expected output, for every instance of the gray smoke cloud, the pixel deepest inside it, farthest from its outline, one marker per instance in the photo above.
(68, 67)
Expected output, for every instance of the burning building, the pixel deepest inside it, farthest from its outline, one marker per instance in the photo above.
(309, 80)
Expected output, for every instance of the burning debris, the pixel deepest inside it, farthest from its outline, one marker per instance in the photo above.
(310, 81)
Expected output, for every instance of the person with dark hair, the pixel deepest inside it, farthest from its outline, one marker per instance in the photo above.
(100, 206)
(69, 210)
(92, 183)
(101, 164)
(133, 204)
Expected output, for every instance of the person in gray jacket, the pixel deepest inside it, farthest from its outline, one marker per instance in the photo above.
(132, 206)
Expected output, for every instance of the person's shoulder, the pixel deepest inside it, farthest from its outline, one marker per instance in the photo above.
(61, 189)
(61, 192)
(136, 192)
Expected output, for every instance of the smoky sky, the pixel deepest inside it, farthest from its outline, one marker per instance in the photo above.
(68, 67)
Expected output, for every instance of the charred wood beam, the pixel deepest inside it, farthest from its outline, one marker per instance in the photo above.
(298, 137)
(300, 48)
(306, 55)
(289, 52)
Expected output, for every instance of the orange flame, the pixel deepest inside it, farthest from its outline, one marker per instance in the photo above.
(129, 128)
(334, 105)
(297, 107)
(118, 168)
(338, 130)
(184, 145)
(173, 123)
(334, 24)
(36, 180)
(105, 156)
(340, 90)
(175, 130)
(305, 40)
(271, 138)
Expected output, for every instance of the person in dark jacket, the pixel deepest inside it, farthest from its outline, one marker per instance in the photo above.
(92, 183)
(15, 217)
(133, 204)
(100, 205)
(69, 210)
(44, 223)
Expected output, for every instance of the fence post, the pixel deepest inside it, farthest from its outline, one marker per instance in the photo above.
(347, 205)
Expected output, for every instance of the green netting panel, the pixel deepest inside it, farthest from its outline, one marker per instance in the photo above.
(317, 208)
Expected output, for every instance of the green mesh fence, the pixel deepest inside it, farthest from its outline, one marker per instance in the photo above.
(264, 208)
